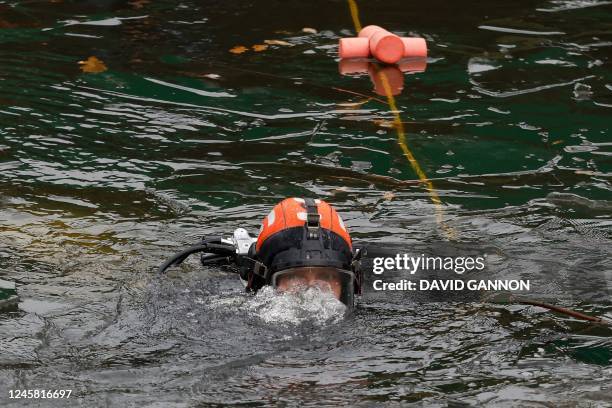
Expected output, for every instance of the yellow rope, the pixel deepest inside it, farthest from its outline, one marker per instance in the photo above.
(401, 140)
(355, 15)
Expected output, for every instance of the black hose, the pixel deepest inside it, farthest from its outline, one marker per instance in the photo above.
(212, 246)
(210, 259)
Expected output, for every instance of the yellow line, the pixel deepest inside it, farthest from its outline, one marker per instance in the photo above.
(355, 15)
(401, 140)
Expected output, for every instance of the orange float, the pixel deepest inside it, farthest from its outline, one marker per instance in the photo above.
(375, 41)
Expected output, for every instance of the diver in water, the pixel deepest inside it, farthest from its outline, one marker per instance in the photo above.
(303, 243)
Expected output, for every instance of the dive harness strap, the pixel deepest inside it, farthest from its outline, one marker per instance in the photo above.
(356, 269)
(258, 268)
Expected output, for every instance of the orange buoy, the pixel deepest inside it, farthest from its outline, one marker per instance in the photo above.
(383, 45)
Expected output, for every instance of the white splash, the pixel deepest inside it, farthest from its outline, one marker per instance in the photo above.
(311, 305)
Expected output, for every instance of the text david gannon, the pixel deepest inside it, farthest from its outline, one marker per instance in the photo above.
(453, 285)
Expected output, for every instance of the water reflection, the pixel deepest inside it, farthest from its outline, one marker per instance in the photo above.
(387, 79)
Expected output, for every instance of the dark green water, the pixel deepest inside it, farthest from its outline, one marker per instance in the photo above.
(106, 174)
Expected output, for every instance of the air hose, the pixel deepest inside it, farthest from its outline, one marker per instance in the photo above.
(213, 248)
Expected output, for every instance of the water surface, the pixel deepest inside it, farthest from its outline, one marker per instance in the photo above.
(104, 174)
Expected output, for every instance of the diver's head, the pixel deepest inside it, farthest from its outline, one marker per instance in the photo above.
(304, 243)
